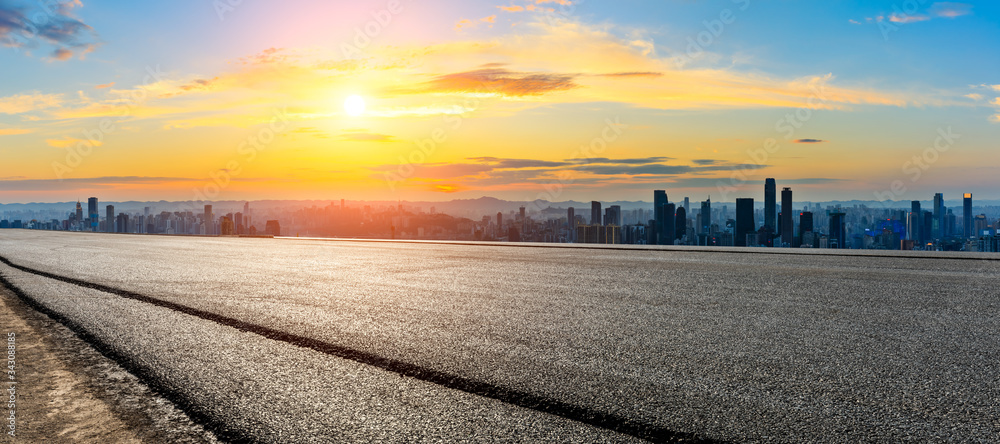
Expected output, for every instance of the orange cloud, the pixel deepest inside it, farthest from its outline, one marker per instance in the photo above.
(513, 8)
(14, 131)
(33, 101)
(70, 141)
(105, 85)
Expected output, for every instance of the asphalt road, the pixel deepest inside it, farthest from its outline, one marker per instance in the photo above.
(281, 340)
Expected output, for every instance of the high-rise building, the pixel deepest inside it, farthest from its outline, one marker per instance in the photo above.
(246, 214)
(787, 224)
(680, 226)
(110, 223)
(687, 206)
(706, 216)
(79, 213)
(595, 213)
(969, 229)
(916, 216)
(614, 215)
(92, 213)
(659, 201)
(838, 231)
(744, 222)
(939, 212)
(805, 225)
(770, 191)
(209, 220)
(668, 212)
(571, 224)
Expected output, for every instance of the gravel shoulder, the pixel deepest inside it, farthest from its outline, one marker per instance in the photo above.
(68, 392)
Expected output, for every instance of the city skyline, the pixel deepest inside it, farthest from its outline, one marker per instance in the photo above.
(520, 99)
(663, 222)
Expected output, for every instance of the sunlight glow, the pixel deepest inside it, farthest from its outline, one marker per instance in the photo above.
(354, 105)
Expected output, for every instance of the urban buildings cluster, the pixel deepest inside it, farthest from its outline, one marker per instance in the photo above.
(805, 226)
(778, 222)
(184, 222)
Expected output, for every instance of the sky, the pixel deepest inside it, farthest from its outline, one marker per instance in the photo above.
(520, 99)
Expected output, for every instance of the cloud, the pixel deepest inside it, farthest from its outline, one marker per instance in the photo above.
(70, 141)
(605, 160)
(15, 131)
(855, 22)
(501, 82)
(809, 141)
(950, 9)
(25, 102)
(631, 74)
(366, 137)
(489, 19)
(512, 8)
(705, 161)
(28, 26)
(104, 85)
(907, 18)
(499, 163)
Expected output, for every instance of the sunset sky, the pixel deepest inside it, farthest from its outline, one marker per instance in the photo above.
(560, 99)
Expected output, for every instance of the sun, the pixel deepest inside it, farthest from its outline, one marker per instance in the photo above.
(354, 105)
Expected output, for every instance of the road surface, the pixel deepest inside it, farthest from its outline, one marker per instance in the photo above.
(282, 340)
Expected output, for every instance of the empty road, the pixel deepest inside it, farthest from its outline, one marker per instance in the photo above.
(294, 340)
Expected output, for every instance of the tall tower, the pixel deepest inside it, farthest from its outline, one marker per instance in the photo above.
(744, 221)
(838, 230)
(595, 213)
(805, 225)
(79, 213)
(669, 224)
(571, 224)
(92, 213)
(110, 224)
(209, 220)
(246, 214)
(680, 227)
(659, 201)
(939, 211)
(706, 216)
(770, 190)
(917, 219)
(786, 216)
(967, 215)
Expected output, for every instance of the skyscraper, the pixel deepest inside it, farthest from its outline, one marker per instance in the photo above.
(770, 189)
(744, 221)
(680, 226)
(687, 206)
(92, 213)
(595, 213)
(109, 225)
(917, 221)
(246, 213)
(499, 224)
(838, 231)
(659, 201)
(805, 225)
(209, 220)
(669, 224)
(939, 212)
(967, 216)
(571, 224)
(615, 215)
(79, 213)
(786, 216)
(706, 216)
